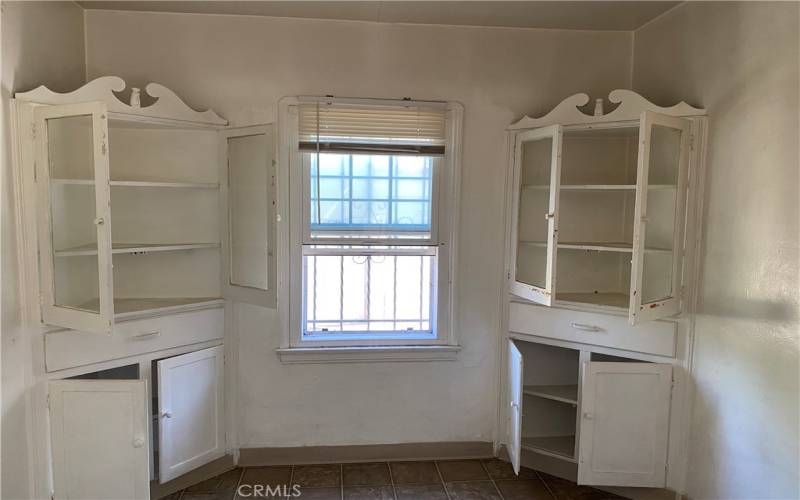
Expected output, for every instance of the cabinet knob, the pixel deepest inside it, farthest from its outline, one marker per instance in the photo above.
(99, 221)
(167, 414)
(588, 415)
(138, 442)
(549, 216)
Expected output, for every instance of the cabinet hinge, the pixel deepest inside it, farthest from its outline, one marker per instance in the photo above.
(33, 131)
(691, 142)
(48, 402)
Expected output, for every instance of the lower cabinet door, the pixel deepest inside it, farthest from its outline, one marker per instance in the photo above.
(99, 439)
(514, 397)
(191, 429)
(624, 424)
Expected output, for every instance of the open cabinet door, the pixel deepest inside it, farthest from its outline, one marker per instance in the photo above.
(624, 424)
(534, 225)
(74, 216)
(99, 439)
(248, 204)
(664, 149)
(515, 404)
(191, 429)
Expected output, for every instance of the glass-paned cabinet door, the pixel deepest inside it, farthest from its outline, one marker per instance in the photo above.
(74, 216)
(534, 238)
(664, 148)
(248, 195)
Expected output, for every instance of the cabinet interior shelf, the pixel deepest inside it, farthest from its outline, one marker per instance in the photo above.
(604, 246)
(142, 184)
(563, 393)
(610, 299)
(562, 447)
(597, 187)
(91, 249)
(126, 306)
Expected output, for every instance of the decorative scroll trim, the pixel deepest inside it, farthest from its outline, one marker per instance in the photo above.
(167, 106)
(630, 107)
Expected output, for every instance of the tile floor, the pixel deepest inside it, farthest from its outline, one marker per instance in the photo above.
(430, 480)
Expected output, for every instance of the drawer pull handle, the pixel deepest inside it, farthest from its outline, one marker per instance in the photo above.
(586, 328)
(145, 336)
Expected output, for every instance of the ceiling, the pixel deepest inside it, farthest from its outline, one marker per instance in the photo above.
(585, 15)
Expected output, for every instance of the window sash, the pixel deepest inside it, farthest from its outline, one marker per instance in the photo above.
(364, 234)
(429, 296)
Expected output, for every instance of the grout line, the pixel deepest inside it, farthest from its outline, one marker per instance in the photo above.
(291, 478)
(391, 480)
(547, 486)
(491, 478)
(441, 478)
(238, 483)
(341, 481)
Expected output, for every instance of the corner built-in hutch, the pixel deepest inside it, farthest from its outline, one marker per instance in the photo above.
(139, 217)
(602, 212)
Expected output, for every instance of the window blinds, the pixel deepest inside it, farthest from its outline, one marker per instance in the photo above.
(372, 129)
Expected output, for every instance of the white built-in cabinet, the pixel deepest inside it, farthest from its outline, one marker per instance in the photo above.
(598, 207)
(147, 208)
(601, 210)
(138, 220)
(112, 430)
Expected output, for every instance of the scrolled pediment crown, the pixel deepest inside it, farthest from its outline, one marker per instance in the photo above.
(167, 104)
(630, 107)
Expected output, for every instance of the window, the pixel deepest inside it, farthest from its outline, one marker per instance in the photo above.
(376, 186)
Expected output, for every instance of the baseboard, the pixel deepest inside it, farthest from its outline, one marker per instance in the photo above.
(207, 471)
(364, 453)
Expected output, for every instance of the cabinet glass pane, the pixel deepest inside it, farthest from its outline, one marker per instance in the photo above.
(662, 189)
(70, 149)
(534, 204)
(248, 202)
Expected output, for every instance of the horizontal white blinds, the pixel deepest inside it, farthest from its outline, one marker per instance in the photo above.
(411, 129)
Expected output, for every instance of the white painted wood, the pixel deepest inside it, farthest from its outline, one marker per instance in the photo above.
(99, 438)
(624, 424)
(378, 354)
(653, 337)
(100, 321)
(68, 349)
(639, 310)
(190, 411)
(168, 109)
(134, 248)
(242, 223)
(514, 398)
(631, 105)
(542, 295)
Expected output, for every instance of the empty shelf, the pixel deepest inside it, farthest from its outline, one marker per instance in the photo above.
(596, 187)
(142, 184)
(599, 246)
(600, 299)
(556, 446)
(562, 393)
(123, 306)
(91, 249)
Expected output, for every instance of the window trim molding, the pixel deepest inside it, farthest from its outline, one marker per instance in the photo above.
(290, 238)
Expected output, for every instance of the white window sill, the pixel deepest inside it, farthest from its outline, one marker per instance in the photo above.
(292, 355)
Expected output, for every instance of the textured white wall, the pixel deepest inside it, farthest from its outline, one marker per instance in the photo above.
(740, 61)
(242, 65)
(42, 44)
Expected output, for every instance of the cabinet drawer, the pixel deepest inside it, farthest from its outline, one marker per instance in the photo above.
(652, 337)
(68, 349)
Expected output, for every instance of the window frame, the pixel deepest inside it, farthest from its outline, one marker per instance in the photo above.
(294, 223)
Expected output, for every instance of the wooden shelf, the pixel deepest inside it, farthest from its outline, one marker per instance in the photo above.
(562, 393)
(91, 249)
(597, 187)
(602, 246)
(124, 307)
(562, 447)
(142, 184)
(599, 299)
